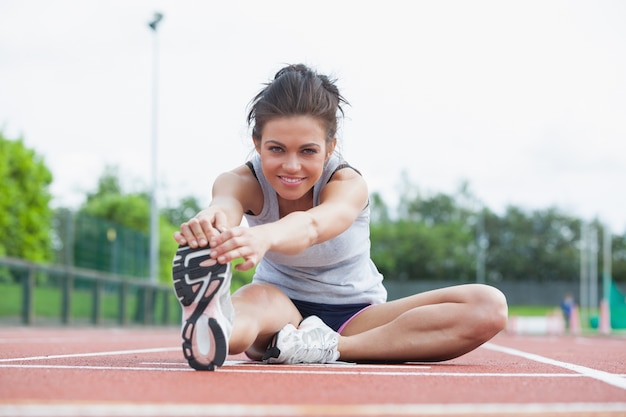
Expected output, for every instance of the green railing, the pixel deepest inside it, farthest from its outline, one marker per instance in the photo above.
(69, 294)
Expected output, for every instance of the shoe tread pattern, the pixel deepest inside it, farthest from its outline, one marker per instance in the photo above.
(188, 281)
(184, 277)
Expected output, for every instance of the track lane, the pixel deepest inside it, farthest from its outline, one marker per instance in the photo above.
(134, 371)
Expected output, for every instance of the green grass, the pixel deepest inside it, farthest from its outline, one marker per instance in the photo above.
(11, 300)
(47, 302)
(526, 311)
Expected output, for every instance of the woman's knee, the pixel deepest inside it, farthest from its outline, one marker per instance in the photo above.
(260, 296)
(491, 306)
(260, 311)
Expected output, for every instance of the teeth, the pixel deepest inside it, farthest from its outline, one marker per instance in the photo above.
(292, 180)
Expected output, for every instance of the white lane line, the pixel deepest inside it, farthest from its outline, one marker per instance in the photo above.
(612, 379)
(609, 378)
(339, 365)
(86, 355)
(75, 339)
(406, 373)
(93, 368)
(302, 410)
(277, 369)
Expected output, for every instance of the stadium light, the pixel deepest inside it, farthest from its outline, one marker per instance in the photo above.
(154, 210)
(157, 18)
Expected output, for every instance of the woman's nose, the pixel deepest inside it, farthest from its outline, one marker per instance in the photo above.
(292, 163)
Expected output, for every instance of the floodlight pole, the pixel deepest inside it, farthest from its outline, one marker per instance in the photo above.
(482, 243)
(585, 254)
(607, 258)
(154, 210)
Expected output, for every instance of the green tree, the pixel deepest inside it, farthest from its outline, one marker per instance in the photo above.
(442, 236)
(539, 246)
(25, 215)
(431, 239)
(112, 231)
(379, 212)
(185, 210)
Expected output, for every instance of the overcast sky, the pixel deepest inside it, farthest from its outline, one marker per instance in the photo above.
(525, 100)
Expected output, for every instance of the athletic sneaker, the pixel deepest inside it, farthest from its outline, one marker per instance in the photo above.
(312, 342)
(204, 295)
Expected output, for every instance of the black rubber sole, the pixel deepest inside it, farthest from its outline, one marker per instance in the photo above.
(219, 342)
(195, 287)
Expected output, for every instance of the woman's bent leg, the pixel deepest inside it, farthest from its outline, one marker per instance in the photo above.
(431, 326)
(261, 310)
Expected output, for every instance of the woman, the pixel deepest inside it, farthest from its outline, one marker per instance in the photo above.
(316, 296)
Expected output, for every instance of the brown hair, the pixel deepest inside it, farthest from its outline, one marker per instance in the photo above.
(297, 90)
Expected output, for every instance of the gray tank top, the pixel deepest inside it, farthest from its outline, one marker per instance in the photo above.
(338, 271)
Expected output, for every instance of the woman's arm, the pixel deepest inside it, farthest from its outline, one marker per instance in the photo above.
(341, 201)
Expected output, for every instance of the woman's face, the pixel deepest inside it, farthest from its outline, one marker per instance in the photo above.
(293, 152)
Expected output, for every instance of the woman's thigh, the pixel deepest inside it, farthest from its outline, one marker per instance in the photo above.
(380, 314)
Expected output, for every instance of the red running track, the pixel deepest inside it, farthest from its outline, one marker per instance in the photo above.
(141, 372)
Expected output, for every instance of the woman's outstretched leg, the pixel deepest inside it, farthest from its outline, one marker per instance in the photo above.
(431, 326)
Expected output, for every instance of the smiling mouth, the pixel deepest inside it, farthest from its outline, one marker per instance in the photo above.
(291, 180)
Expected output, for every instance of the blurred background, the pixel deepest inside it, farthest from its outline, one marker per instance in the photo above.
(491, 132)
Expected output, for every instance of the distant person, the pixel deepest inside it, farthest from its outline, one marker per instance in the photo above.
(567, 305)
(316, 296)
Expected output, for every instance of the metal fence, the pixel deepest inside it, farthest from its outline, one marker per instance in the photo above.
(108, 298)
(125, 300)
(526, 293)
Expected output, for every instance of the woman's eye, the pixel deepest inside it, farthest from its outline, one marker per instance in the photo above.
(275, 149)
(309, 151)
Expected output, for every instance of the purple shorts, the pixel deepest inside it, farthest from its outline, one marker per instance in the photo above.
(336, 316)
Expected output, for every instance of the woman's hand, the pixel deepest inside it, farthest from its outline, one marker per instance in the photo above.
(198, 231)
(240, 242)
